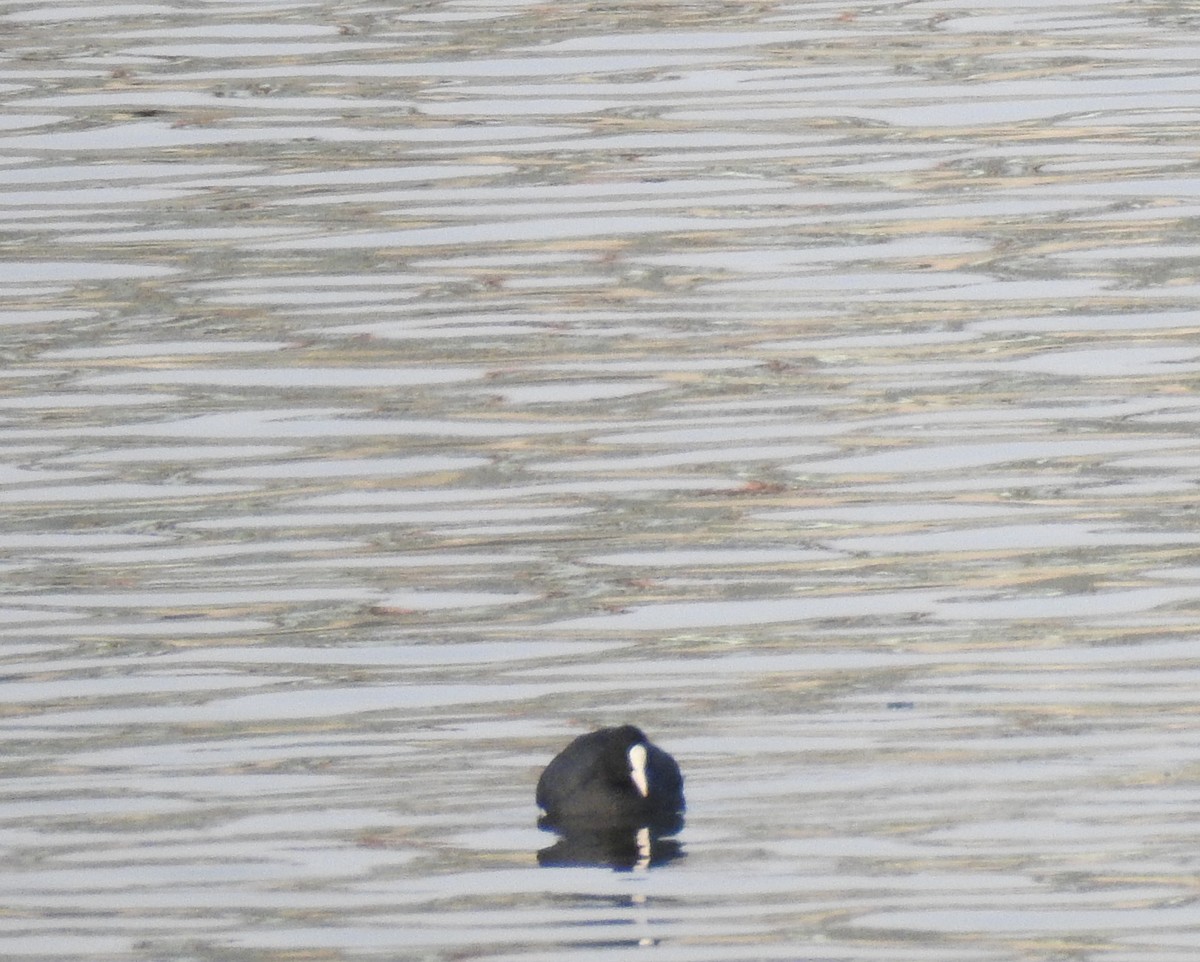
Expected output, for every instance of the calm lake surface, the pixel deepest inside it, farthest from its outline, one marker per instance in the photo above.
(392, 392)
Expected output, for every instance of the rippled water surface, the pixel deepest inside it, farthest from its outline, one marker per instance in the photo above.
(391, 392)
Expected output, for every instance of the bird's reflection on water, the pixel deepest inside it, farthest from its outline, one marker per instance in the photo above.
(623, 848)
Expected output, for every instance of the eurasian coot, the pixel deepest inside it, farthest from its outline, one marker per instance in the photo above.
(612, 777)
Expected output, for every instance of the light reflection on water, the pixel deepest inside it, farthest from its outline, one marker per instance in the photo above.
(390, 394)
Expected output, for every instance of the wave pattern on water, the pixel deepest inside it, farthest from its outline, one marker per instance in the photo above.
(390, 392)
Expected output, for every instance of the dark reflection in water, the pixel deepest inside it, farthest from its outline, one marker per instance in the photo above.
(622, 848)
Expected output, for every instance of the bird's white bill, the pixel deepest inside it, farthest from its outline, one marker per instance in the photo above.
(637, 769)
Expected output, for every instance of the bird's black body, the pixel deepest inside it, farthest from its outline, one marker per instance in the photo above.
(589, 784)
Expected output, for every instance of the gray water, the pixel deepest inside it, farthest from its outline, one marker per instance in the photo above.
(391, 392)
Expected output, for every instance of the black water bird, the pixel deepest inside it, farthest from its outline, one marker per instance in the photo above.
(610, 779)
